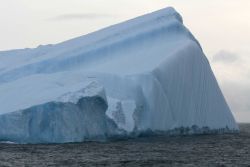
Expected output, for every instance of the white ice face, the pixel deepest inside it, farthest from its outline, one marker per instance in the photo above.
(148, 73)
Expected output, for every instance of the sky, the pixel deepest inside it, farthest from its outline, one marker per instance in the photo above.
(221, 26)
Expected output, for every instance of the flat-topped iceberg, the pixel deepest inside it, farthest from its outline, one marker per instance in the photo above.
(146, 74)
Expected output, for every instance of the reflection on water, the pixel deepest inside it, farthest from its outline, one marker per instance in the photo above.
(202, 150)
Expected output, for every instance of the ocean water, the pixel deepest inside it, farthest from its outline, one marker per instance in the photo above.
(201, 150)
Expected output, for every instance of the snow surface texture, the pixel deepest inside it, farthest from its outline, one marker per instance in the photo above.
(146, 74)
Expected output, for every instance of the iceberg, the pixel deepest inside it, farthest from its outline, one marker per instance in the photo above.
(148, 74)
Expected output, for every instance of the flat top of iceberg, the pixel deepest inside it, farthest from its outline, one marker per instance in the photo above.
(109, 50)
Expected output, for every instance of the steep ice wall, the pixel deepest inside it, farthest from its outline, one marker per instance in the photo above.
(146, 74)
(72, 117)
(57, 122)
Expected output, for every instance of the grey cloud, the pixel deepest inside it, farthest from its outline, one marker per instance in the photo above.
(237, 95)
(235, 81)
(225, 57)
(79, 16)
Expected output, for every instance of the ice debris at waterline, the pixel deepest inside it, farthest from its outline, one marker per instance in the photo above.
(146, 74)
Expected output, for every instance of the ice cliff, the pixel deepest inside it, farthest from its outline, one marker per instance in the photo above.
(146, 74)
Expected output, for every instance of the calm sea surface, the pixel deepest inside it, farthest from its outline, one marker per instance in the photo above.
(202, 150)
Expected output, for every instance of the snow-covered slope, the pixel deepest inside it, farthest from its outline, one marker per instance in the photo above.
(146, 74)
